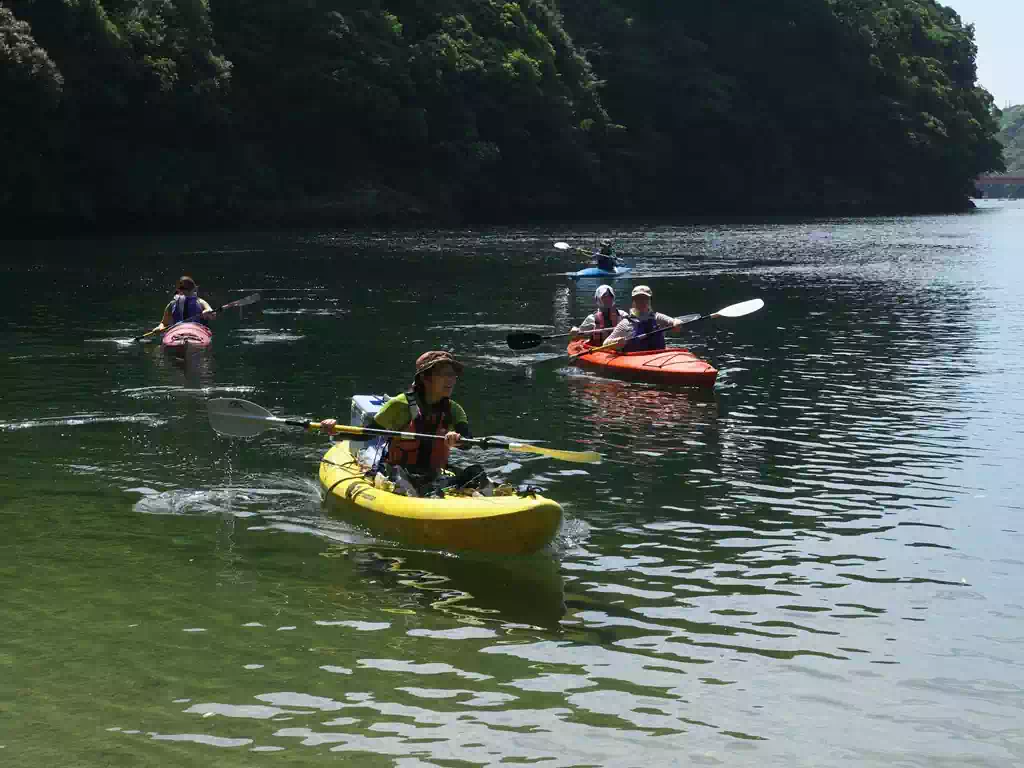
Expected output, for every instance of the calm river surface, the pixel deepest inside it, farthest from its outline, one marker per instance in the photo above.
(819, 565)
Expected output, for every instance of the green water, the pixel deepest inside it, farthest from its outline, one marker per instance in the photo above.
(818, 565)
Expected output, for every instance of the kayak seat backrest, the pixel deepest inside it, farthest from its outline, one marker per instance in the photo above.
(364, 408)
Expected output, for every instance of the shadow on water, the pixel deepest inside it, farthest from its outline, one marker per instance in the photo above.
(468, 587)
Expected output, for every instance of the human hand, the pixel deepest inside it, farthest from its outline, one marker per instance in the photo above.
(209, 315)
(327, 426)
(451, 439)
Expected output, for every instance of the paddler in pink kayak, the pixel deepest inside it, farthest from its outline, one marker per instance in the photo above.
(602, 322)
(642, 320)
(186, 306)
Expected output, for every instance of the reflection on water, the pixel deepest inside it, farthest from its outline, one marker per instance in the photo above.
(470, 588)
(830, 537)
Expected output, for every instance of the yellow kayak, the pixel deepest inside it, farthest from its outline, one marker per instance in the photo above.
(511, 525)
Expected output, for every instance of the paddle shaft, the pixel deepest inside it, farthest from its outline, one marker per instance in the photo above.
(641, 336)
(733, 310)
(236, 303)
(350, 430)
(221, 410)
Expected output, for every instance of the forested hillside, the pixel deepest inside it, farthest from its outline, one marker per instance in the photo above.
(1011, 134)
(186, 113)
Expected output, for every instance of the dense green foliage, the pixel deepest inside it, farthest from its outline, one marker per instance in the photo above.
(187, 112)
(1011, 134)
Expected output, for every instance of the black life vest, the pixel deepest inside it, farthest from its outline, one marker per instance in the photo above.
(653, 342)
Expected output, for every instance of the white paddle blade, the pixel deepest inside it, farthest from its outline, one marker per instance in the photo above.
(562, 246)
(741, 309)
(238, 418)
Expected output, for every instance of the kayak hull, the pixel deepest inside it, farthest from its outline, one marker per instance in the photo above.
(595, 272)
(665, 366)
(509, 525)
(187, 335)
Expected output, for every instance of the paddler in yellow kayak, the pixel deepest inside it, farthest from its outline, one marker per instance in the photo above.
(427, 409)
(642, 320)
(602, 322)
(186, 306)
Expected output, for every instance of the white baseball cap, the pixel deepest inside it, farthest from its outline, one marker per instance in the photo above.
(602, 290)
(642, 290)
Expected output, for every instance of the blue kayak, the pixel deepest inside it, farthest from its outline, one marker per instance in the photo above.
(596, 272)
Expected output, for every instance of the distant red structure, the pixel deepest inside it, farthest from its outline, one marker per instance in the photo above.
(988, 180)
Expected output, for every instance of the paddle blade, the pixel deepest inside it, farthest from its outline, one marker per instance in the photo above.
(523, 340)
(738, 310)
(251, 299)
(238, 418)
(689, 318)
(562, 246)
(579, 457)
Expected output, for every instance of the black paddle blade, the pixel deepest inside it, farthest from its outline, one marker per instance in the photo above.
(523, 340)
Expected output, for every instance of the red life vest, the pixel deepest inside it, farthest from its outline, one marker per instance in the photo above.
(423, 454)
(600, 321)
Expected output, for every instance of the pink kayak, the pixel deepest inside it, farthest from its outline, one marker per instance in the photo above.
(186, 336)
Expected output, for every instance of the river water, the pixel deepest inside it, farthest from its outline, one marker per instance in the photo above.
(818, 565)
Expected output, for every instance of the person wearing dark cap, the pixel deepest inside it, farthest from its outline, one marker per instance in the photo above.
(604, 256)
(427, 409)
(186, 306)
(643, 321)
(602, 322)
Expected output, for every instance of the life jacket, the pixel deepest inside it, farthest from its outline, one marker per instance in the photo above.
(603, 319)
(606, 261)
(653, 342)
(187, 308)
(423, 454)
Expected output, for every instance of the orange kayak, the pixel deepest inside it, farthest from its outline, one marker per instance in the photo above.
(664, 366)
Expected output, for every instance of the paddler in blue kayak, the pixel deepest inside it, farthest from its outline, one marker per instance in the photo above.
(186, 306)
(604, 256)
(642, 320)
(427, 409)
(602, 322)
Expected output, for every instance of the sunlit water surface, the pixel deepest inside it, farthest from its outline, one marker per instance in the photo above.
(817, 565)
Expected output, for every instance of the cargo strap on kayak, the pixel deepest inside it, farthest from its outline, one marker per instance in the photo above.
(338, 482)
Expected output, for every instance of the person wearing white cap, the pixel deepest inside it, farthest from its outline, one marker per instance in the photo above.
(642, 320)
(603, 321)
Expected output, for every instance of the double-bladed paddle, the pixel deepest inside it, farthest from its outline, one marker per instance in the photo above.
(563, 246)
(523, 340)
(566, 247)
(240, 418)
(250, 299)
(733, 310)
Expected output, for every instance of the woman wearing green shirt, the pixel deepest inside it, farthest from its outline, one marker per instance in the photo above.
(426, 409)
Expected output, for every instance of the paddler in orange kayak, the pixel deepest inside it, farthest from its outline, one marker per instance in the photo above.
(642, 320)
(602, 322)
(426, 409)
(186, 306)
